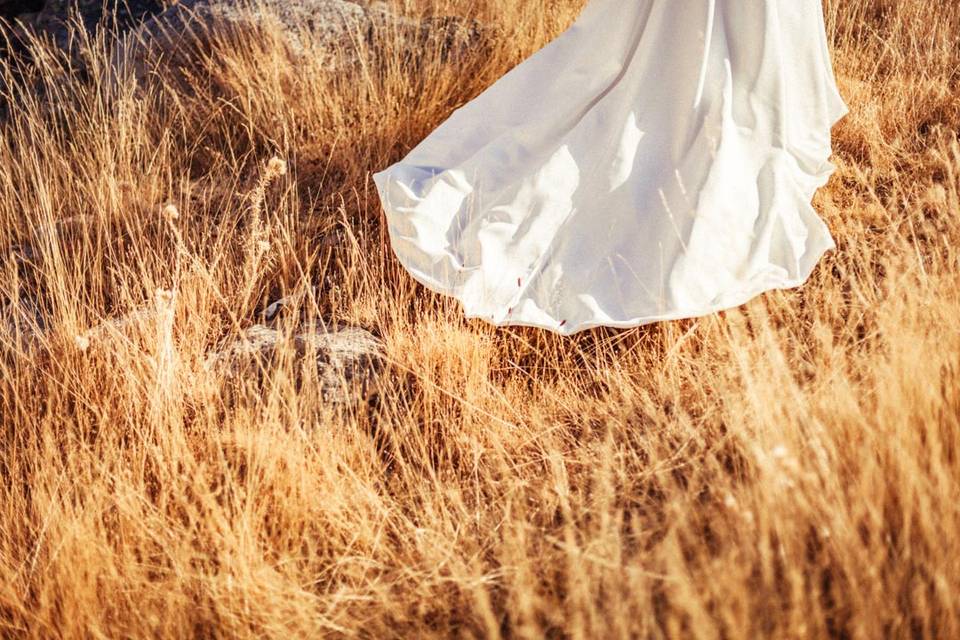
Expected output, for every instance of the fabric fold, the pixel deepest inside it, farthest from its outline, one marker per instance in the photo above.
(655, 161)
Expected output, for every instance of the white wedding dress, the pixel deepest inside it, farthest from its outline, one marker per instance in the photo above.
(656, 161)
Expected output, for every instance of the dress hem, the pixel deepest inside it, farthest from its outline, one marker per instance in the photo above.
(814, 255)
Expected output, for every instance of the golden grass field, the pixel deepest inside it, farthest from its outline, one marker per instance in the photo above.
(789, 469)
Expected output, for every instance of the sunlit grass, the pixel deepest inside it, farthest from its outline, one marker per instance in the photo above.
(787, 469)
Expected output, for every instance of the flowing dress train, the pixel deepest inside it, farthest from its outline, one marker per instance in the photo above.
(657, 160)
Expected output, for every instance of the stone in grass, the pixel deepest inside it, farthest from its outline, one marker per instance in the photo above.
(349, 360)
(331, 31)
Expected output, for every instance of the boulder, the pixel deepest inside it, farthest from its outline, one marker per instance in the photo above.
(348, 359)
(331, 31)
(172, 31)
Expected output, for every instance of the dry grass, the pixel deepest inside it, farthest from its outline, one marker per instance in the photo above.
(788, 469)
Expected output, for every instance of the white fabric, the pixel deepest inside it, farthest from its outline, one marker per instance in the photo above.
(657, 160)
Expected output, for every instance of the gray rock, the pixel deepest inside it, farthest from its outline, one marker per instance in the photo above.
(325, 30)
(132, 325)
(348, 359)
(325, 20)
